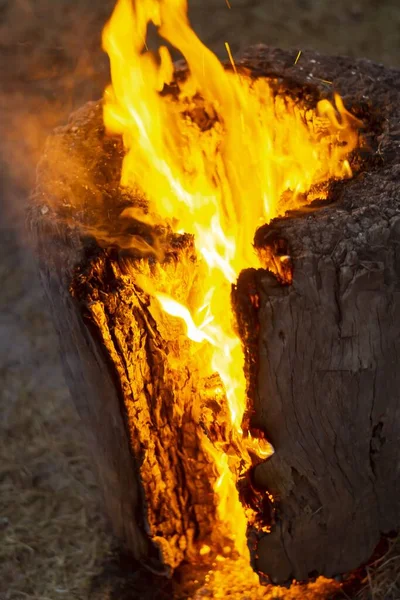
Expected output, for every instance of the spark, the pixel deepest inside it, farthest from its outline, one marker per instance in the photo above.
(228, 4)
(297, 57)
(205, 550)
(228, 49)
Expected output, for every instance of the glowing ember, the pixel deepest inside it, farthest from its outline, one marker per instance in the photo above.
(260, 155)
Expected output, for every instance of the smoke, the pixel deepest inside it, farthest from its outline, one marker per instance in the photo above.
(51, 62)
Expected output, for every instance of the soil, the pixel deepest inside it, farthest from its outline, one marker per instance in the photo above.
(54, 535)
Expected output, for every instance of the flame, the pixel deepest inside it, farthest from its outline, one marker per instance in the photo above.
(175, 309)
(261, 156)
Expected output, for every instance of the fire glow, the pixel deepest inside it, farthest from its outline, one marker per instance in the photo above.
(261, 154)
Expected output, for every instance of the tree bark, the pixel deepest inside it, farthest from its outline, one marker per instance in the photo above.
(321, 351)
(326, 384)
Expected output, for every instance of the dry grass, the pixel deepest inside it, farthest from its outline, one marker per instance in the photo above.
(52, 530)
(382, 578)
(54, 536)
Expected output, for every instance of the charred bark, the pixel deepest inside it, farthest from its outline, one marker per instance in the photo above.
(159, 396)
(328, 386)
(321, 348)
(326, 380)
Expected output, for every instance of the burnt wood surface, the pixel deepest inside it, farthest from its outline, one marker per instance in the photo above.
(130, 378)
(321, 352)
(160, 393)
(327, 383)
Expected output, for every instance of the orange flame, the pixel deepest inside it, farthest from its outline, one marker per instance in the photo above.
(260, 157)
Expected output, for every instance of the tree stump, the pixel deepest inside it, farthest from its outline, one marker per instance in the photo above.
(321, 352)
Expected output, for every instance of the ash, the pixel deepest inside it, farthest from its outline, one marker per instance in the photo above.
(235, 580)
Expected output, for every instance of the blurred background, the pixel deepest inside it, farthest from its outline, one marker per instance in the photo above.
(54, 535)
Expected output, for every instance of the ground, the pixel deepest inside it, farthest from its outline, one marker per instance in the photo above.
(54, 535)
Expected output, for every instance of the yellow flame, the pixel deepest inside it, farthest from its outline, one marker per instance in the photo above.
(176, 309)
(260, 157)
(228, 49)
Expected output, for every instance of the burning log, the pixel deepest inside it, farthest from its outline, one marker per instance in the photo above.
(319, 326)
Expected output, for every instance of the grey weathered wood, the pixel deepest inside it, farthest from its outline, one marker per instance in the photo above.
(327, 387)
(54, 225)
(329, 390)
(95, 396)
(321, 352)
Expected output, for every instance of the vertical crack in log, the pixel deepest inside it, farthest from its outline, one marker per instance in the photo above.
(245, 303)
(377, 442)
